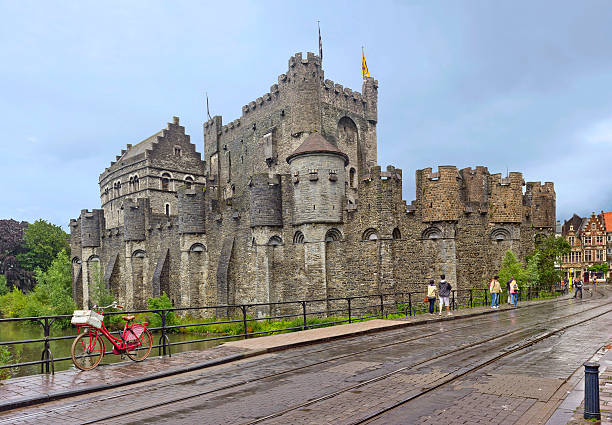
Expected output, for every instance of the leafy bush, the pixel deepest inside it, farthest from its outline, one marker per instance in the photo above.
(51, 296)
(6, 358)
(3, 286)
(159, 303)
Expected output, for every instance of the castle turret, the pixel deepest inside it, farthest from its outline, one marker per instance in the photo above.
(134, 219)
(266, 204)
(505, 205)
(541, 201)
(305, 76)
(317, 168)
(438, 193)
(474, 189)
(191, 210)
(92, 223)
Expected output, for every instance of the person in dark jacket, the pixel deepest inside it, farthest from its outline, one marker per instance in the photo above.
(578, 285)
(444, 291)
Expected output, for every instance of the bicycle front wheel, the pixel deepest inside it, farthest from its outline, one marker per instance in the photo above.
(87, 350)
(142, 351)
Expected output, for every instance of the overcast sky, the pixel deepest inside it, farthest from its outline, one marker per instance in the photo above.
(518, 85)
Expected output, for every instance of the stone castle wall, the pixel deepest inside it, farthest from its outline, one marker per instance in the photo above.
(249, 227)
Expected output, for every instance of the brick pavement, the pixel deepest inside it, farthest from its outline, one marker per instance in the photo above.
(605, 392)
(36, 388)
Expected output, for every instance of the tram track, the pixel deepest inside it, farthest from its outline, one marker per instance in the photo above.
(453, 351)
(332, 359)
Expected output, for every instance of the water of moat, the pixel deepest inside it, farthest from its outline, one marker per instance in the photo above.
(13, 331)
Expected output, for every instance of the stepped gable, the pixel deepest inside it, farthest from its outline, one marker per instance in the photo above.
(315, 143)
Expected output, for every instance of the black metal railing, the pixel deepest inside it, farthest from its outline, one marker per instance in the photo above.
(321, 312)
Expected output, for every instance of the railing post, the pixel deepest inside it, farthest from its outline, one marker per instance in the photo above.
(382, 306)
(164, 341)
(486, 298)
(591, 391)
(453, 294)
(304, 314)
(348, 301)
(471, 299)
(47, 356)
(244, 320)
(409, 304)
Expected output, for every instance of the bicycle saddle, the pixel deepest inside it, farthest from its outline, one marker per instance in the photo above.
(128, 318)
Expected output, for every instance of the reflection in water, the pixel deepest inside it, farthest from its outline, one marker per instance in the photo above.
(13, 331)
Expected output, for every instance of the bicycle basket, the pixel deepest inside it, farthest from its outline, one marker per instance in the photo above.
(87, 317)
(134, 333)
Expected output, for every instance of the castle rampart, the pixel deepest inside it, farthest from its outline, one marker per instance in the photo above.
(288, 202)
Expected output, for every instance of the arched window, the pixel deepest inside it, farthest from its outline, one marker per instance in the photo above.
(188, 182)
(352, 181)
(333, 235)
(131, 184)
(500, 234)
(431, 233)
(197, 247)
(275, 240)
(139, 253)
(165, 181)
(298, 237)
(168, 210)
(136, 182)
(76, 261)
(396, 233)
(370, 235)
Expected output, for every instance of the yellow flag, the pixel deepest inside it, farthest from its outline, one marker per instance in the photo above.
(364, 66)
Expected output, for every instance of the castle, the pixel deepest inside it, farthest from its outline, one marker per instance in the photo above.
(289, 203)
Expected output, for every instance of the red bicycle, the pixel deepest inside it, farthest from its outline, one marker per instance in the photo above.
(88, 347)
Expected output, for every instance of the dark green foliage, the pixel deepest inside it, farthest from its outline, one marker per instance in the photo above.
(51, 296)
(603, 267)
(42, 242)
(549, 252)
(157, 303)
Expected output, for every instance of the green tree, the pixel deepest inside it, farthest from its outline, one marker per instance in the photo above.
(511, 267)
(53, 292)
(42, 242)
(99, 294)
(603, 267)
(549, 251)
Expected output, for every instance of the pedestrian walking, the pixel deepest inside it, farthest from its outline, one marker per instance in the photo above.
(444, 293)
(432, 292)
(508, 289)
(514, 292)
(494, 290)
(578, 285)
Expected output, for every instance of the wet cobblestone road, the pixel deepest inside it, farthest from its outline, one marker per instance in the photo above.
(504, 368)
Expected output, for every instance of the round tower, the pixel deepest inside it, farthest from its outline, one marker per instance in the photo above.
(317, 169)
(265, 201)
(191, 210)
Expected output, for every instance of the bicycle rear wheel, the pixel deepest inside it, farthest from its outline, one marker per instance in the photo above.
(142, 351)
(87, 350)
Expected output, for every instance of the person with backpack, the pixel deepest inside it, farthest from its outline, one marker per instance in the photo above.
(494, 290)
(513, 292)
(432, 292)
(578, 286)
(444, 292)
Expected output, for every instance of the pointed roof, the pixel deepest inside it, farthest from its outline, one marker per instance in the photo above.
(315, 143)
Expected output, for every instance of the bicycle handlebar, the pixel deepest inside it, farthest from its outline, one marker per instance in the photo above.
(111, 305)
